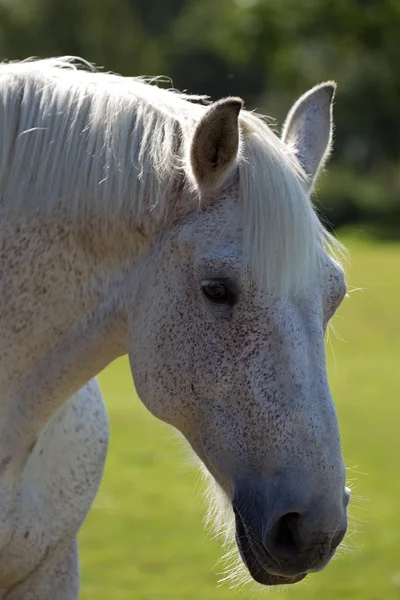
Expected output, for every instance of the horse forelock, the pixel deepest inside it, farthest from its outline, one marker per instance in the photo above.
(282, 232)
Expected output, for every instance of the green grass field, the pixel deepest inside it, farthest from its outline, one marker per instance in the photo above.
(144, 537)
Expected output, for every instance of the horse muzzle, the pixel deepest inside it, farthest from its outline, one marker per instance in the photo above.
(284, 548)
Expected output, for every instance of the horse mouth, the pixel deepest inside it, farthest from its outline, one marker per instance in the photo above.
(257, 567)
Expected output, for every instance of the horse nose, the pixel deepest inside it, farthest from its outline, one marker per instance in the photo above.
(299, 537)
(284, 540)
(292, 540)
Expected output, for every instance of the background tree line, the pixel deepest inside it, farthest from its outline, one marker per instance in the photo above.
(267, 51)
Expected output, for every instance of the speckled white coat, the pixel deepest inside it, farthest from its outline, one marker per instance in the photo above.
(244, 379)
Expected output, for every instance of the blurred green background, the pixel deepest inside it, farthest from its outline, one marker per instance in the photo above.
(144, 538)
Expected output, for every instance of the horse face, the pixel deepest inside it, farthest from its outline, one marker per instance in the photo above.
(242, 375)
(240, 369)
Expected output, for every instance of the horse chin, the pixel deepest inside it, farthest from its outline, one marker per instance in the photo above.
(265, 578)
(261, 575)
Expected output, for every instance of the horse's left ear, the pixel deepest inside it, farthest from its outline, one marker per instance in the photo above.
(215, 143)
(308, 128)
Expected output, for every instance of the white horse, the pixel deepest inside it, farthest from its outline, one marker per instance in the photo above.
(133, 220)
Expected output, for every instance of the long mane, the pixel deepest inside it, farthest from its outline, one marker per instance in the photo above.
(78, 139)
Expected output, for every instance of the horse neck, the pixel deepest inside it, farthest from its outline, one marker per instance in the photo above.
(61, 313)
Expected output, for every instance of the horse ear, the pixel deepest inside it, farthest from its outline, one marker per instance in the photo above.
(215, 143)
(308, 128)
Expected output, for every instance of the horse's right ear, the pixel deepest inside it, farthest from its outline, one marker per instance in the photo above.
(308, 129)
(215, 143)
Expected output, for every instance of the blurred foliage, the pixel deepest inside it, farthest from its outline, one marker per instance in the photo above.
(267, 51)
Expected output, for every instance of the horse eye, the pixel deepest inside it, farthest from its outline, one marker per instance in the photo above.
(217, 291)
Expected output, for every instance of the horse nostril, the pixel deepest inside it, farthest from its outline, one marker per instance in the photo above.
(285, 539)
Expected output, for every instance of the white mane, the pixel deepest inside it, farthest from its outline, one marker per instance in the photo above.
(78, 139)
